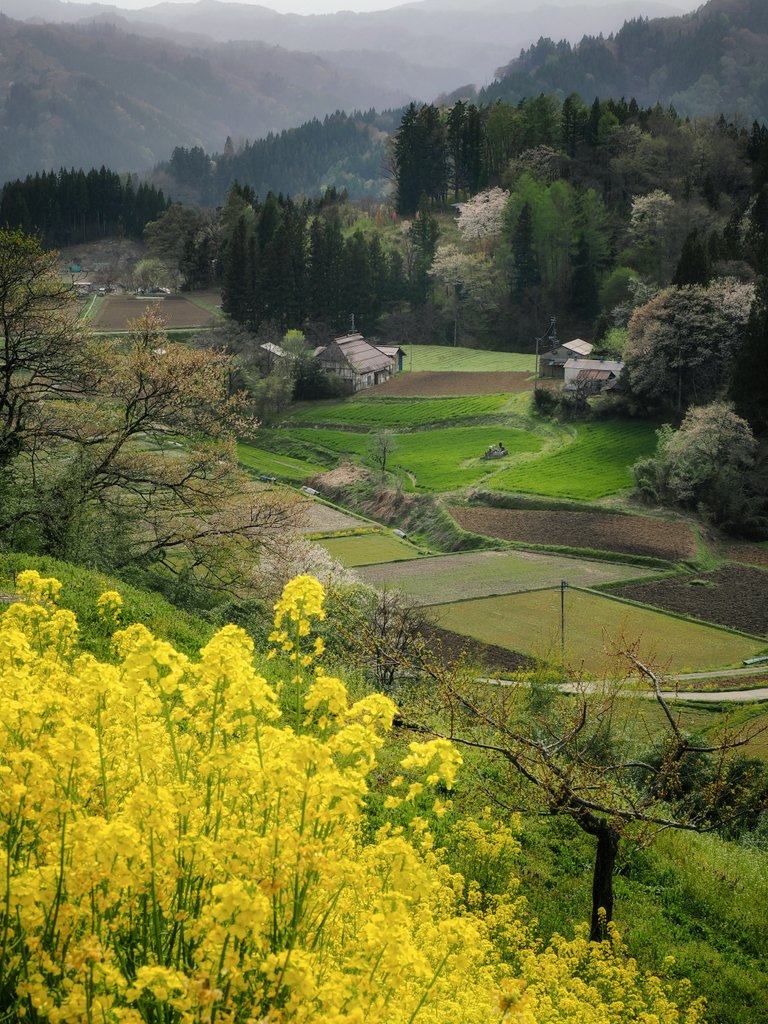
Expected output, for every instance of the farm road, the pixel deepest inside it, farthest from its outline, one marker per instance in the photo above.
(715, 696)
(699, 696)
(757, 693)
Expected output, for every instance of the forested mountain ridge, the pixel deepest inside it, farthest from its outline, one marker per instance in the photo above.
(712, 60)
(94, 94)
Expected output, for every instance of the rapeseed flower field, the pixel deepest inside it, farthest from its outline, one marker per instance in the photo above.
(182, 843)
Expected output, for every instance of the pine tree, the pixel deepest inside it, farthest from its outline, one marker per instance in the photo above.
(526, 264)
(423, 235)
(693, 267)
(235, 285)
(749, 381)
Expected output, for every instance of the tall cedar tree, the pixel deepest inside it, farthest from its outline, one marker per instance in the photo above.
(749, 384)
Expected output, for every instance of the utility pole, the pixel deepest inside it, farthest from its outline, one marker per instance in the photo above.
(549, 335)
(563, 587)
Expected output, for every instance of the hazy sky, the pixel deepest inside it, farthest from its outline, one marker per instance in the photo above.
(329, 6)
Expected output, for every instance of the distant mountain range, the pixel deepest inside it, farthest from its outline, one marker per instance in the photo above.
(84, 84)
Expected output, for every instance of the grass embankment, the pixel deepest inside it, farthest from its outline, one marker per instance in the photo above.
(80, 589)
(697, 899)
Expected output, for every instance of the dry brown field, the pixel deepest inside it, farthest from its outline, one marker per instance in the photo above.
(630, 535)
(114, 311)
(433, 384)
(733, 595)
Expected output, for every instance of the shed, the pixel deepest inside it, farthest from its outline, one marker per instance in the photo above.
(395, 353)
(592, 376)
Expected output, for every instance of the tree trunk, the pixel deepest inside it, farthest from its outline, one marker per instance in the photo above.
(602, 882)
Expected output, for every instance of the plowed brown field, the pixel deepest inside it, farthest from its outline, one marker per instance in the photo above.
(430, 384)
(733, 595)
(752, 554)
(114, 312)
(631, 535)
(451, 646)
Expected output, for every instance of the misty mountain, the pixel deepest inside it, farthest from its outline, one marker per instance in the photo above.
(450, 43)
(82, 95)
(707, 62)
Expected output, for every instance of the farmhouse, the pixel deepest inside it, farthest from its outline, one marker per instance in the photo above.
(553, 362)
(358, 363)
(591, 376)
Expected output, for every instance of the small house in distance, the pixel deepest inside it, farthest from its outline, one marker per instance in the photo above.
(358, 363)
(552, 363)
(591, 376)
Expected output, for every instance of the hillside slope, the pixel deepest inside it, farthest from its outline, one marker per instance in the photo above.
(710, 61)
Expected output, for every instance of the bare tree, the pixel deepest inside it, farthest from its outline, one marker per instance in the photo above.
(385, 633)
(578, 754)
(382, 445)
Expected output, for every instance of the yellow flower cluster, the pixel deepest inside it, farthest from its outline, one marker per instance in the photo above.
(109, 607)
(171, 852)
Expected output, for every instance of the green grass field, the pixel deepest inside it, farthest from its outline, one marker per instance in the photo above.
(436, 458)
(449, 578)
(270, 464)
(402, 412)
(370, 549)
(597, 463)
(444, 357)
(439, 460)
(530, 623)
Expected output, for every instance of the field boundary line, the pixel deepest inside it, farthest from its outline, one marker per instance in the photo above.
(670, 614)
(489, 597)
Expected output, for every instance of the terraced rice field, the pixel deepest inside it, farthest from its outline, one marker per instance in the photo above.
(370, 549)
(431, 383)
(402, 413)
(272, 464)
(598, 531)
(471, 360)
(595, 464)
(438, 460)
(442, 460)
(594, 627)
(448, 578)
